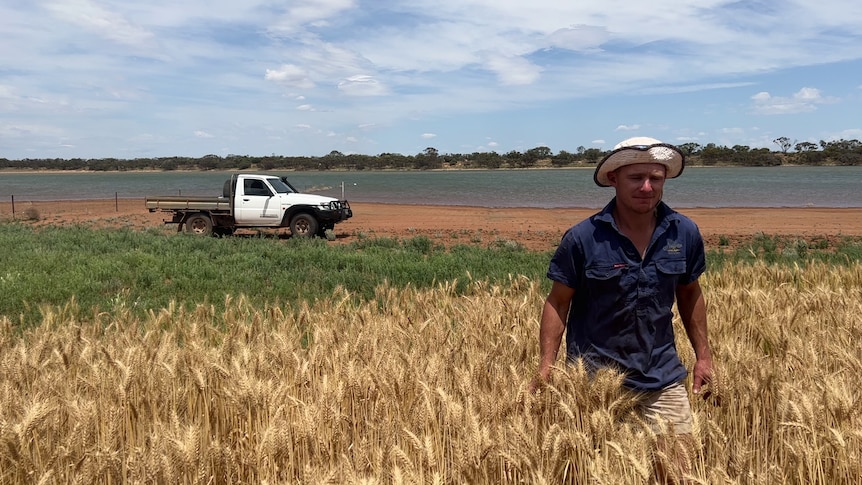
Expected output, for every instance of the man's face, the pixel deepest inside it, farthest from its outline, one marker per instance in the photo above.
(639, 186)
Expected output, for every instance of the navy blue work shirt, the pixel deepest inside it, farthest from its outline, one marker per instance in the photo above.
(621, 313)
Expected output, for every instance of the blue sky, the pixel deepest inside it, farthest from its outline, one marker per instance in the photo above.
(128, 79)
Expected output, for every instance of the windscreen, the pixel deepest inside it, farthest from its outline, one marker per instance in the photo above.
(279, 186)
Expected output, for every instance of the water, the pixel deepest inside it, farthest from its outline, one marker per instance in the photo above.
(563, 188)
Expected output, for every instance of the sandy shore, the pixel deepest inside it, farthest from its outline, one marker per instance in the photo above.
(537, 229)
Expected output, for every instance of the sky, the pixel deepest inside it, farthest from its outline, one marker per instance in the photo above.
(156, 78)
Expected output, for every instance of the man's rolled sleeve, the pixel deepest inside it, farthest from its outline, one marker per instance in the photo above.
(563, 267)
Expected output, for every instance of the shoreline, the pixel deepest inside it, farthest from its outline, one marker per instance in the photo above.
(5, 205)
(534, 228)
(582, 166)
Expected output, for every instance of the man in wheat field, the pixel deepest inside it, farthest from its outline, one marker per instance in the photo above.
(615, 277)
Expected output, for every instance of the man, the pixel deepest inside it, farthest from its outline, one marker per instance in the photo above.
(615, 277)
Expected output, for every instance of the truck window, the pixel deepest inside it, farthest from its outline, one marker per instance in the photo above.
(255, 187)
(280, 186)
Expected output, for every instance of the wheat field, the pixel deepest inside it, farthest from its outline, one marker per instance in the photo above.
(423, 387)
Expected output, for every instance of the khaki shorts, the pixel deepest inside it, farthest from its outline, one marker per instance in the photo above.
(667, 410)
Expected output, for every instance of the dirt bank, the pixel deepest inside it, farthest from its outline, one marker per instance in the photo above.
(537, 229)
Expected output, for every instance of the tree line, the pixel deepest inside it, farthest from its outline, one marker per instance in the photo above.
(840, 152)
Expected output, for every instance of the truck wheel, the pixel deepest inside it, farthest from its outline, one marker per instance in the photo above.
(199, 225)
(303, 225)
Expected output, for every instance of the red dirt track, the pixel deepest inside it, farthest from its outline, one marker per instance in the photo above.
(536, 229)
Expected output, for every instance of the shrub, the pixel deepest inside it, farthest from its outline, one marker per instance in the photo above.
(31, 213)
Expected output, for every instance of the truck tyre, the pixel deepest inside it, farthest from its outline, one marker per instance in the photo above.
(303, 225)
(199, 225)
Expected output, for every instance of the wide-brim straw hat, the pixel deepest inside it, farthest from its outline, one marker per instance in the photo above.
(640, 149)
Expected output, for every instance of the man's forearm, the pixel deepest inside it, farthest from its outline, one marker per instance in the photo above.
(698, 336)
(692, 309)
(551, 331)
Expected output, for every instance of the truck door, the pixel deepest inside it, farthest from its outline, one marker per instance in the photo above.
(256, 206)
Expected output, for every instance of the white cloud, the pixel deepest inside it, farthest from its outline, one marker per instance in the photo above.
(93, 17)
(428, 136)
(362, 85)
(25, 130)
(628, 127)
(313, 12)
(850, 134)
(808, 94)
(202, 134)
(802, 101)
(7, 92)
(290, 75)
(578, 38)
(514, 70)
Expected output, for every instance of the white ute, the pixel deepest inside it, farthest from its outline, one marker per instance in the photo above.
(253, 201)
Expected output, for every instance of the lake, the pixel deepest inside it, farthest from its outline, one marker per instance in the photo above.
(551, 188)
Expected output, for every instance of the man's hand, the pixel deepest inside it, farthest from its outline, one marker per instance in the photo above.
(538, 382)
(706, 382)
(702, 374)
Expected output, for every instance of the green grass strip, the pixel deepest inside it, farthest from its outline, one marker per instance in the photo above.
(102, 270)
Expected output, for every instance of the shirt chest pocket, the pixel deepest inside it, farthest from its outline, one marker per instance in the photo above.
(675, 266)
(605, 272)
(669, 272)
(605, 281)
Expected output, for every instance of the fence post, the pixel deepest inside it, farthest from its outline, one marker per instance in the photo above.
(116, 203)
(13, 207)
